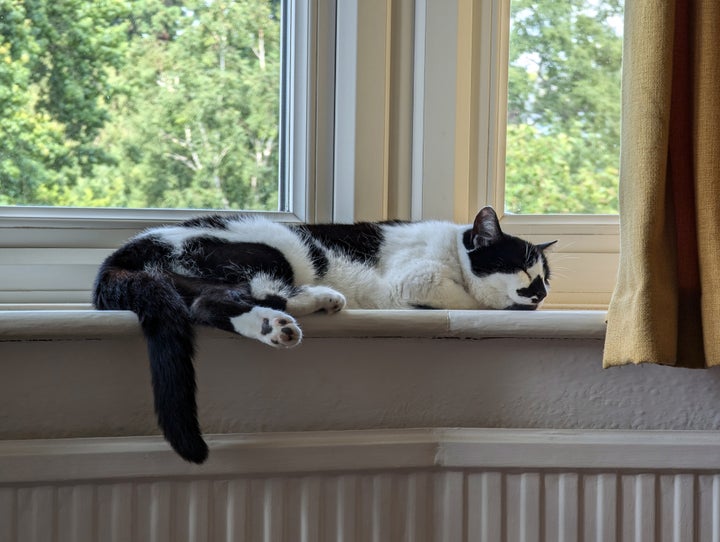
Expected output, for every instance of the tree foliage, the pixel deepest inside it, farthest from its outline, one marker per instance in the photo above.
(174, 103)
(563, 141)
(54, 61)
(140, 103)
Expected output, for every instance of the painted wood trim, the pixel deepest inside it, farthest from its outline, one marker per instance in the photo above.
(544, 324)
(61, 460)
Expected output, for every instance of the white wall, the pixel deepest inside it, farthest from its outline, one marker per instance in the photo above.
(101, 387)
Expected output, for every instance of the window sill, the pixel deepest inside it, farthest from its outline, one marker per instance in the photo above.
(84, 324)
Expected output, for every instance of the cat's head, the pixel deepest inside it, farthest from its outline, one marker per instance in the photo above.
(503, 271)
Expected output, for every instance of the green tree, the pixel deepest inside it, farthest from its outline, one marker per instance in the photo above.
(196, 122)
(546, 176)
(142, 103)
(201, 108)
(53, 77)
(564, 106)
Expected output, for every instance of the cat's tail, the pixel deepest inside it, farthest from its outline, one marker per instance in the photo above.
(166, 324)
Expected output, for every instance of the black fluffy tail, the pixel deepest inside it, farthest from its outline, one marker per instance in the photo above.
(166, 323)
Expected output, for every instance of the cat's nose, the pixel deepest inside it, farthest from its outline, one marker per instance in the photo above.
(539, 296)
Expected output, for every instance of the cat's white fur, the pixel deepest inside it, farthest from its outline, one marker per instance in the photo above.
(420, 263)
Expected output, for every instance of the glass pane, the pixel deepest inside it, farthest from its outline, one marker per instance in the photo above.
(140, 103)
(563, 132)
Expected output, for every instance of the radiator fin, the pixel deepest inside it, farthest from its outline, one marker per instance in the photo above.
(403, 506)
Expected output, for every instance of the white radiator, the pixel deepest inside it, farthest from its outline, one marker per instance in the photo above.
(411, 485)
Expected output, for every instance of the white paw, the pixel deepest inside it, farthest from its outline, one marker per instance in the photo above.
(280, 332)
(269, 326)
(330, 301)
(316, 299)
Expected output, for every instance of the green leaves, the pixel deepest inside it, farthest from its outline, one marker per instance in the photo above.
(564, 106)
(141, 103)
(175, 103)
(550, 175)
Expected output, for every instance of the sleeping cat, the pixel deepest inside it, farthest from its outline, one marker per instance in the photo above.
(251, 276)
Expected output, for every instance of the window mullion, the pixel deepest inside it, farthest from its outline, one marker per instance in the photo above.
(493, 32)
(435, 109)
(458, 107)
(362, 123)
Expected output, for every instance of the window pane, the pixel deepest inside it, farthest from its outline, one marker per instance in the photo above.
(563, 132)
(140, 103)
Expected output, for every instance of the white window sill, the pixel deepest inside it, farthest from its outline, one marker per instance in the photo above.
(83, 324)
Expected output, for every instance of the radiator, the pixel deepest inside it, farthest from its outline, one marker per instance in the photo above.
(411, 485)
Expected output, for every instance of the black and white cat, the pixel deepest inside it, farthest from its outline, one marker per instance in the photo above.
(251, 276)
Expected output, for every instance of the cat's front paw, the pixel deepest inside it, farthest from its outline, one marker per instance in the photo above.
(331, 302)
(316, 299)
(270, 326)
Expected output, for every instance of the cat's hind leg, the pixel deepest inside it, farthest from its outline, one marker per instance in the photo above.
(233, 310)
(267, 325)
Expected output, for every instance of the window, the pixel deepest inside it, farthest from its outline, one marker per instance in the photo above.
(563, 115)
(49, 254)
(392, 110)
(154, 105)
(142, 104)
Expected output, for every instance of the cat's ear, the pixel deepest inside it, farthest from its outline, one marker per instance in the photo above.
(543, 246)
(486, 228)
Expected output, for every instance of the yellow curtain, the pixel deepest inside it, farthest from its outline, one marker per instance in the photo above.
(666, 305)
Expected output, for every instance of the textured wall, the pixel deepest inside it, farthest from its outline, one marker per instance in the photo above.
(101, 387)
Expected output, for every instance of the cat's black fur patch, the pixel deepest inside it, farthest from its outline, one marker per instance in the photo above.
(273, 301)
(546, 269)
(360, 242)
(217, 222)
(320, 262)
(535, 290)
(216, 308)
(139, 253)
(508, 254)
(234, 262)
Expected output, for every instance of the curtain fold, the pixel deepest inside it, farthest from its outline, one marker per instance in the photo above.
(666, 305)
